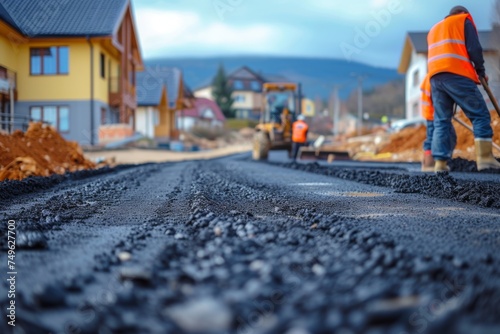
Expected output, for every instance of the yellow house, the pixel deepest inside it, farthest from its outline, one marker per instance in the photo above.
(70, 63)
(160, 94)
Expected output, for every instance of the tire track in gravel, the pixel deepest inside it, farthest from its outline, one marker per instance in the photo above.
(438, 269)
(103, 219)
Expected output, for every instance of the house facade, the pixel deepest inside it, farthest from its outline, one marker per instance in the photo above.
(413, 64)
(247, 93)
(75, 69)
(161, 92)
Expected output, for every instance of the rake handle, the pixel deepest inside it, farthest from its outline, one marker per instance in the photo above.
(465, 125)
(490, 94)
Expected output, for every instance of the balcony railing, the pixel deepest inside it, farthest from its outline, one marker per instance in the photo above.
(117, 96)
(7, 80)
(10, 123)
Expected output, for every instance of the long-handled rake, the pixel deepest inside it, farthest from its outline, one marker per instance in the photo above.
(493, 101)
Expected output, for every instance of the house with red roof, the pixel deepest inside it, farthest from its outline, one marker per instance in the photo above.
(204, 112)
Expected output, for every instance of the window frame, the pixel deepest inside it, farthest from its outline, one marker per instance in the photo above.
(42, 67)
(416, 78)
(240, 98)
(256, 86)
(58, 115)
(239, 83)
(104, 116)
(102, 66)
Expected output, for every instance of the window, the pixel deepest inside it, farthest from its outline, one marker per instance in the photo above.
(63, 119)
(238, 85)
(104, 116)
(49, 61)
(416, 78)
(103, 66)
(57, 116)
(256, 86)
(239, 98)
(207, 113)
(3, 72)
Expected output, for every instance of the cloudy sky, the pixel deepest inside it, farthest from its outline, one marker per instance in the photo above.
(371, 31)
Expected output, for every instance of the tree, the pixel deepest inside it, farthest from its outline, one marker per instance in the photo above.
(222, 92)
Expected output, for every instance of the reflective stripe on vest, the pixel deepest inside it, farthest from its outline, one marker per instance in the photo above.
(299, 132)
(447, 49)
(426, 99)
(456, 41)
(448, 55)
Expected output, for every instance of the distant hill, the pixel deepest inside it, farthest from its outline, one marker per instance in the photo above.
(317, 75)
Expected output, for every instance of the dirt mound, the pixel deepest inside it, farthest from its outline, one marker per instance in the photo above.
(41, 151)
(406, 145)
(406, 139)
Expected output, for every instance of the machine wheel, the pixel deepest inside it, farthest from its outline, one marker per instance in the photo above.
(261, 144)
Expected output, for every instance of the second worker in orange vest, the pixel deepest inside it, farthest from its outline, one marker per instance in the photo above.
(299, 135)
(428, 115)
(455, 64)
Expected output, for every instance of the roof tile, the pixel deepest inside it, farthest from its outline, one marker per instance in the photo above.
(151, 81)
(45, 18)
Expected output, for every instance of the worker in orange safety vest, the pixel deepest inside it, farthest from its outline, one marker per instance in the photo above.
(428, 114)
(455, 63)
(299, 135)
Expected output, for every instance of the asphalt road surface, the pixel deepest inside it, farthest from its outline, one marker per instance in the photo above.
(236, 246)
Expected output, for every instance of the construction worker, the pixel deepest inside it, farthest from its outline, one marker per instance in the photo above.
(455, 64)
(299, 135)
(428, 115)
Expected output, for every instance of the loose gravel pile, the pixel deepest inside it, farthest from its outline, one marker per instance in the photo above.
(441, 185)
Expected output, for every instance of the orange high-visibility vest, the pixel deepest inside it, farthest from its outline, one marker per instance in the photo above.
(426, 99)
(299, 132)
(447, 49)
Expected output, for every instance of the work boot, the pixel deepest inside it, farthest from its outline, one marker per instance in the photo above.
(484, 155)
(441, 166)
(428, 162)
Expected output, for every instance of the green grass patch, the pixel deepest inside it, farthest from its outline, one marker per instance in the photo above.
(238, 124)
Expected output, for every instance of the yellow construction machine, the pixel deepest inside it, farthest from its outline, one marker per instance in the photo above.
(281, 107)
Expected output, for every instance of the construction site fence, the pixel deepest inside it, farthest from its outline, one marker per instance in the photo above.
(9, 123)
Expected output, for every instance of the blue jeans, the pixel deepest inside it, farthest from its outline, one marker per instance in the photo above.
(448, 89)
(430, 135)
(295, 149)
(428, 139)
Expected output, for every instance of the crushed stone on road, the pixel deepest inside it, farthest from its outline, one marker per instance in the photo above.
(235, 246)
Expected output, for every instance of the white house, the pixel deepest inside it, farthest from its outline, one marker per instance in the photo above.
(414, 65)
(146, 120)
(204, 92)
(160, 93)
